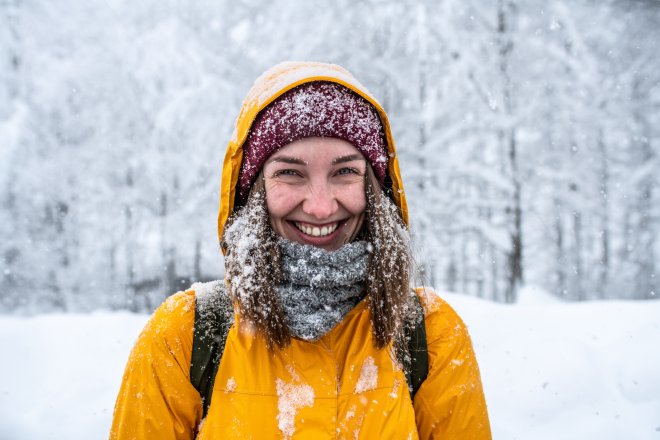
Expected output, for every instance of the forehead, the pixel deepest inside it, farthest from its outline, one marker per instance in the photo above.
(317, 148)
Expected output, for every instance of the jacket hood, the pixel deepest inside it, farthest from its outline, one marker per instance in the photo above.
(266, 89)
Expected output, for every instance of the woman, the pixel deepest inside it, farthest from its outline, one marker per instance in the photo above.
(313, 226)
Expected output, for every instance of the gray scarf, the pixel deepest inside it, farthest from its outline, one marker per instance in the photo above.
(320, 287)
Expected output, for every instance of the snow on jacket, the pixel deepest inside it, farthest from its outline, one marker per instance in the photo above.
(339, 386)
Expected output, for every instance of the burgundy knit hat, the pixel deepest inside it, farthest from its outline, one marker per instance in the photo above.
(320, 108)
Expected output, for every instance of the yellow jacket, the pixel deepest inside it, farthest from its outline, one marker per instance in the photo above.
(337, 387)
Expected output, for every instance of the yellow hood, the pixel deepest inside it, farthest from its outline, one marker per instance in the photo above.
(266, 89)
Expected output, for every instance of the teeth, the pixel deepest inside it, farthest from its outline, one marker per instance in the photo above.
(315, 231)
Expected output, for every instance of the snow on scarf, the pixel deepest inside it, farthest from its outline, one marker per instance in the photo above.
(320, 287)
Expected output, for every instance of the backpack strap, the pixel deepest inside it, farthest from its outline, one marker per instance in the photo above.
(415, 334)
(214, 316)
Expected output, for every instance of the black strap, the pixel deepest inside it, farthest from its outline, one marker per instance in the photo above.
(214, 317)
(417, 349)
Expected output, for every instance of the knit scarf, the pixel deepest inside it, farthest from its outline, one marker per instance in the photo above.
(319, 287)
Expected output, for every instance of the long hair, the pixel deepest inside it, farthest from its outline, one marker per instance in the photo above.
(390, 264)
(253, 259)
(252, 267)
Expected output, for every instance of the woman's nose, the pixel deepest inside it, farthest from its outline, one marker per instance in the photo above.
(320, 202)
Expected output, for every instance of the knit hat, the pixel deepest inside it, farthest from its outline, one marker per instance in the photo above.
(313, 109)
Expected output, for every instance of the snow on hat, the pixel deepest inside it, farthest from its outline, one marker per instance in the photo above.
(313, 109)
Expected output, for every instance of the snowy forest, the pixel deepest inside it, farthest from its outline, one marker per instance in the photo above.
(528, 134)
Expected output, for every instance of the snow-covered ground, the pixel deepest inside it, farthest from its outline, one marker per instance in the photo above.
(551, 370)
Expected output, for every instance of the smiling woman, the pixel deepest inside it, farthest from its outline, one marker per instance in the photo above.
(315, 191)
(315, 331)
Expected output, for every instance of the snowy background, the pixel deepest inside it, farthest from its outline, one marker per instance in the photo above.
(529, 140)
(528, 133)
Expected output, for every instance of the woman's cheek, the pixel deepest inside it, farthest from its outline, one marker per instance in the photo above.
(280, 199)
(354, 200)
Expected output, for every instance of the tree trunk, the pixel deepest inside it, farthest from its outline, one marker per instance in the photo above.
(604, 268)
(130, 288)
(197, 263)
(560, 272)
(577, 256)
(508, 136)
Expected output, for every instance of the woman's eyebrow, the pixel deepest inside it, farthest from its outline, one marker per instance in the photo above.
(349, 158)
(288, 159)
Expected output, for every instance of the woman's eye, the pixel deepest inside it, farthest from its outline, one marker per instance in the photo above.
(286, 173)
(347, 170)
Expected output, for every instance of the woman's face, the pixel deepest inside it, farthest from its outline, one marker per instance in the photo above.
(315, 191)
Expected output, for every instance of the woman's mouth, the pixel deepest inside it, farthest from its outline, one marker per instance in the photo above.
(316, 230)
